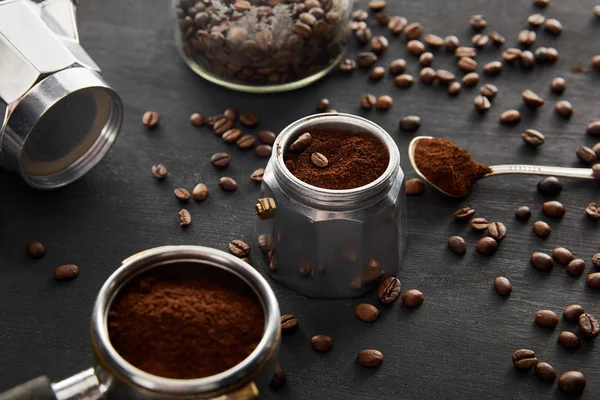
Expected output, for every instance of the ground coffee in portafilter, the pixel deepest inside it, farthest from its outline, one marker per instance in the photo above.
(185, 323)
(448, 166)
(352, 160)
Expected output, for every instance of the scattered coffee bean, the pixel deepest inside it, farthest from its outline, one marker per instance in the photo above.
(278, 378)
(480, 40)
(367, 101)
(479, 224)
(486, 246)
(412, 298)
(593, 128)
(524, 359)
(319, 160)
(572, 313)
(150, 119)
(596, 149)
(533, 138)
(553, 209)
(493, 68)
(532, 100)
(433, 41)
(564, 108)
(546, 318)
(541, 261)
(197, 119)
(220, 160)
(497, 231)
(239, 248)
(267, 137)
(596, 61)
(415, 47)
(454, 88)
(379, 44)
(588, 325)
(426, 59)
(159, 171)
(457, 245)
(596, 260)
(586, 155)
(257, 175)
(370, 358)
(301, 143)
(382, 18)
(545, 371)
(200, 192)
(464, 214)
(321, 343)
(527, 60)
(66, 272)
(481, 103)
(289, 323)
(249, 120)
(222, 125)
(562, 255)
(553, 26)
(488, 90)
(347, 65)
(444, 77)
(511, 54)
(558, 85)
(467, 64)
(510, 117)
(552, 55)
(451, 42)
(245, 142)
(366, 59)
(478, 22)
(231, 114)
(359, 15)
(366, 312)
(384, 102)
(541, 55)
(397, 66)
(465, 51)
(228, 184)
(210, 121)
(527, 37)
(263, 151)
(597, 11)
(322, 104)
(497, 38)
(397, 25)
(405, 81)
(576, 267)
(377, 73)
(503, 286)
(427, 75)
(410, 123)
(593, 280)
(181, 194)
(389, 290)
(536, 19)
(414, 186)
(549, 186)
(35, 249)
(470, 79)
(542, 229)
(523, 213)
(185, 218)
(377, 5)
(541, 3)
(413, 31)
(572, 382)
(232, 135)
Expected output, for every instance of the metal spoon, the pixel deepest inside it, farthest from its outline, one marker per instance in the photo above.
(582, 173)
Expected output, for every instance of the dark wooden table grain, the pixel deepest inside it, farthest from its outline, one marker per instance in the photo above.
(458, 344)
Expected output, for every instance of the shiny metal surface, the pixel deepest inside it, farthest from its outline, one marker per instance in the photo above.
(332, 243)
(83, 386)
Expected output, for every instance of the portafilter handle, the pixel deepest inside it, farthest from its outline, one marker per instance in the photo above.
(83, 386)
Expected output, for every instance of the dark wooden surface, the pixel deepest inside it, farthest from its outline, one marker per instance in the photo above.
(458, 344)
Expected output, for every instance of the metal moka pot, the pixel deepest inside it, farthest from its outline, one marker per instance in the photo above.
(113, 377)
(331, 243)
(58, 117)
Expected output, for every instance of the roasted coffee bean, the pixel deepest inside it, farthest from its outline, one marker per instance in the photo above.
(232, 135)
(586, 155)
(414, 186)
(222, 125)
(257, 175)
(553, 209)
(481, 103)
(379, 44)
(593, 128)
(319, 160)
(35, 249)
(502, 286)
(545, 371)
(405, 81)
(497, 231)
(245, 142)
(389, 290)
(220, 160)
(249, 120)
(553, 26)
(397, 25)
(478, 22)
(302, 142)
(397, 66)
(366, 312)
(511, 54)
(541, 54)
(523, 213)
(564, 108)
(228, 184)
(533, 138)
(367, 101)
(562, 255)
(457, 245)
(289, 323)
(576, 267)
(384, 102)
(185, 218)
(593, 211)
(426, 59)
(377, 73)
(532, 100)
(593, 280)
(263, 151)
(412, 298)
(524, 359)
(558, 85)
(451, 42)
(182, 194)
(322, 104)
(541, 261)
(321, 343)
(382, 18)
(366, 59)
(549, 186)
(427, 75)
(66, 272)
(541, 3)
(552, 55)
(588, 325)
(370, 358)
(572, 382)
(542, 229)
(444, 77)
(596, 61)
(510, 117)
(200, 192)
(210, 121)
(497, 38)
(433, 41)
(377, 5)
(493, 68)
(572, 313)
(267, 137)
(464, 51)
(547, 318)
(415, 47)
(596, 260)
(536, 19)
(486, 246)
(527, 37)
(347, 65)
(197, 119)
(467, 64)
(480, 40)
(410, 123)
(488, 90)
(159, 171)
(464, 214)
(231, 114)
(278, 378)
(239, 248)
(597, 11)
(413, 31)
(470, 79)
(527, 59)
(360, 15)
(150, 119)
(454, 88)
(479, 224)
(596, 149)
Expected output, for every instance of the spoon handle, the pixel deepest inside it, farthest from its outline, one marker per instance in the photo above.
(582, 173)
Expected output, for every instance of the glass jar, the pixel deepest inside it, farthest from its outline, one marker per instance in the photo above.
(262, 45)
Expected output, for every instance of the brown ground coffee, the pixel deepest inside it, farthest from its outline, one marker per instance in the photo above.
(448, 166)
(186, 328)
(353, 160)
